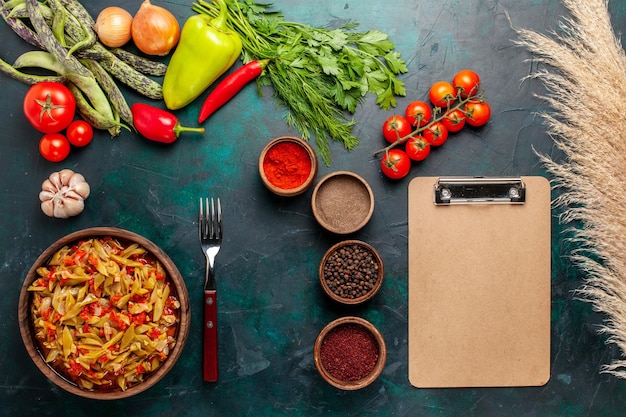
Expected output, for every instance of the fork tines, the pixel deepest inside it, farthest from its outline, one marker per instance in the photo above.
(210, 219)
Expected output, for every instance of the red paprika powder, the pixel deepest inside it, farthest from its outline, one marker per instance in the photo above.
(287, 165)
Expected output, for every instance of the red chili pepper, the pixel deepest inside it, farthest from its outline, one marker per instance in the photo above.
(75, 368)
(230, 86)
(140, 318)
(84, 313)
(157, 124)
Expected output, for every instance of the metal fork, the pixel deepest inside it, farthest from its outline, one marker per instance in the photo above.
(210, 228)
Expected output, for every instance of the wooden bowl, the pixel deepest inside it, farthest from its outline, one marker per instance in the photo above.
(342, 202)
(27, 327)
(358, 285)
(274, 164)
(350, 353)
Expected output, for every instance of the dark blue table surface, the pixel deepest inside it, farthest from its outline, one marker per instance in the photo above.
(271, 307)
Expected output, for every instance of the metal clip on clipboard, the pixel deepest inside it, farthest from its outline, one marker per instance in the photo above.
(479, 190)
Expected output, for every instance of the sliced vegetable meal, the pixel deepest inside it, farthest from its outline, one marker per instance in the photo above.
(105, 313)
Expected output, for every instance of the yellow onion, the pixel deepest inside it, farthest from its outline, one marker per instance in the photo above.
(155, 30)
(113, 26)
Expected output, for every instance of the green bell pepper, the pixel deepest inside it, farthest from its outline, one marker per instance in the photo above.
(207, 49)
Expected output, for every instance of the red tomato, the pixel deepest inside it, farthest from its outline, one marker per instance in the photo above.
(395, 164)
(54, 147)
(49, 106)
(454, 120)
(436, 134)
(396, 127)
(417, 148)
(466, 82)
(477, 112)
(418, 113)
(79, 133)
(442, 94)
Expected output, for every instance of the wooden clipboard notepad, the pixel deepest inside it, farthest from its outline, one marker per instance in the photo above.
(479, 282)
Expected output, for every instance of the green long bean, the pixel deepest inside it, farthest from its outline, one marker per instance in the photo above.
(110, 88)
(94, 117)
(50, 42)
(63, 32)
(29, 79)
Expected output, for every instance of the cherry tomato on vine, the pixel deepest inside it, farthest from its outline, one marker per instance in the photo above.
(49, 106)
(395, 164)
(436, 134)
(417, 148)
(54, 147)
(442, 94)
(418, 113)
(466, 82)
(454, 120)
(396, 127)
(477, 112)
(79, 133)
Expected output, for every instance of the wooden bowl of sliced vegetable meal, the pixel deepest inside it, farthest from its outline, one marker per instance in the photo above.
(104, 313)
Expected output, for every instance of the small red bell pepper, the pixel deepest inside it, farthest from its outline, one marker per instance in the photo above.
(157, 124)
(230, 86)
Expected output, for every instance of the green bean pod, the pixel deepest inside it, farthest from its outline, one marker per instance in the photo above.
(116, 98)
(29, 79)
(134, 79)
(19, 12)
(86, 42)
(50, 42)
(91, 115)
(10, 4)
(90, 87)
(58, 26)
(93, 53)
(86, 37)
(141, 64)
(39, 59)
(133, 69)
(19, 27)
(79, 11)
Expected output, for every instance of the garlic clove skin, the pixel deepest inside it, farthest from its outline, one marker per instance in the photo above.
(68, 207)
(47, 206)
(79, 186)
(63, 194)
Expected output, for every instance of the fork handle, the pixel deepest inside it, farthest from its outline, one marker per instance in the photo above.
(209, 368)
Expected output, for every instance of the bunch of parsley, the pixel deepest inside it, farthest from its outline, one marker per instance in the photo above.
(319, 74)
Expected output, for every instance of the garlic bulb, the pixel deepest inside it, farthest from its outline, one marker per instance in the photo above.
(63, 194)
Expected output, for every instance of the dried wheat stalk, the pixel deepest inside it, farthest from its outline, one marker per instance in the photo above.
(586, 87)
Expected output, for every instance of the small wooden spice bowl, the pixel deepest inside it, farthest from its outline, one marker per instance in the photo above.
(350, 353)
(342, 202)
(82, 325)
(288, 166)
(347, 281)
